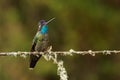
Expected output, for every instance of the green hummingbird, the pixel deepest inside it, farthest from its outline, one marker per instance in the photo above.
(40, 42)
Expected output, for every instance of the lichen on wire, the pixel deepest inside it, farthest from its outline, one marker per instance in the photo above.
(64, 53)
(52, 55)
(61, 71)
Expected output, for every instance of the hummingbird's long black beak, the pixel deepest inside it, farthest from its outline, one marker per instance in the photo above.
(50, 20)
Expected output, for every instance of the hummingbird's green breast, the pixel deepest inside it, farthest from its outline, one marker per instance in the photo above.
(41, 42)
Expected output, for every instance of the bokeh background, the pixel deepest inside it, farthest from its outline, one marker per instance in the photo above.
(79, 24)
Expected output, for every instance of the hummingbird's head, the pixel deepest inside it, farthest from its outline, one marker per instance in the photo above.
(42, 23)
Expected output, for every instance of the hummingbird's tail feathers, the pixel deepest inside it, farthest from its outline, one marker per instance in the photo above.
(33, 61)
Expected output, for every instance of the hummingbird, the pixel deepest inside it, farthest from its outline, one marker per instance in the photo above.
(40, 42)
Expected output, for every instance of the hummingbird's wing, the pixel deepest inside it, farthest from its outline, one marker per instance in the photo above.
(34, 42)
(34, 58)
(33, 47)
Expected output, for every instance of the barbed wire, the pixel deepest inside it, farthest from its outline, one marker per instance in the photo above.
(70, 52)
(52, 55)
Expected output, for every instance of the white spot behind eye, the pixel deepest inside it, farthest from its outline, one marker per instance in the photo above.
(39, 26)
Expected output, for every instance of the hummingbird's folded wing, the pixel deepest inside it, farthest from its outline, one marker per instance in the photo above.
(34, 42)
(33, 47)
(34, 58)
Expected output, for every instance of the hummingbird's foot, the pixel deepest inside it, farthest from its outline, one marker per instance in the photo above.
(49, 48)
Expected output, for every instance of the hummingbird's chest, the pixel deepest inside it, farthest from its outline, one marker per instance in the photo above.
(42, 37)
(42, 42)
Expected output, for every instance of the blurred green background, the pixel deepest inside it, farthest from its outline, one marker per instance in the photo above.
(79, 24)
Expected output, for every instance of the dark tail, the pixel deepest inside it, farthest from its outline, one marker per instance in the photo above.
(33, 60)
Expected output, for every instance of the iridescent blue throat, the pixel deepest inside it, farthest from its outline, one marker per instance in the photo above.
(44, 29)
